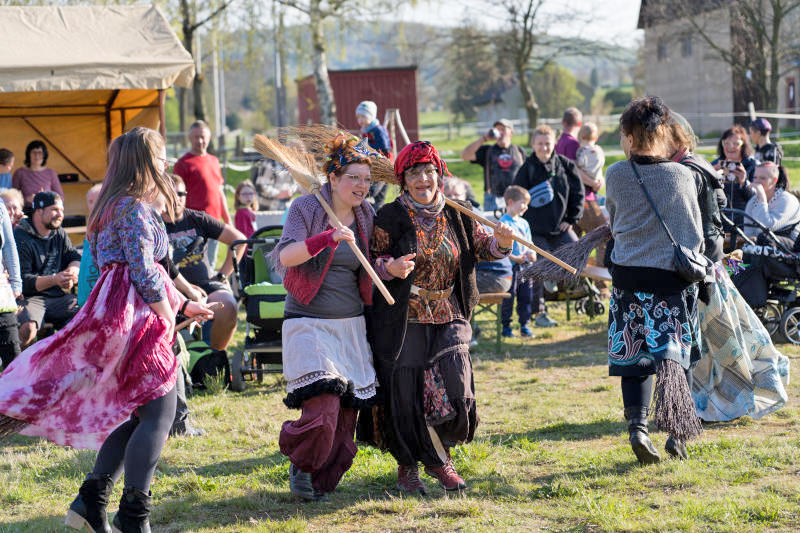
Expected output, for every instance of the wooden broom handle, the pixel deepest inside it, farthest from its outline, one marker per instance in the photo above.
(460, 208)
(353, 246)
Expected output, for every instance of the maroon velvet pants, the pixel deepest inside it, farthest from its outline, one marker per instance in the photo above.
(321, 440)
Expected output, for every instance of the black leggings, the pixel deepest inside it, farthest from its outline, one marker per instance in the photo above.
(637, 391)
(136, 445)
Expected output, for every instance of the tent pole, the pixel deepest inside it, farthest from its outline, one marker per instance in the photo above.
(62, 154)
(162, 124)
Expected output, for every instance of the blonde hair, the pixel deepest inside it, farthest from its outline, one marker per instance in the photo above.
(588, 132)
(133, 170)
(12, 194)
(515, 193)
(238, 205)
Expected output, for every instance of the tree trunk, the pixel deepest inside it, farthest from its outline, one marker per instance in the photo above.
(529, 100)
(181, 108)
(197, 91)
(327, 104)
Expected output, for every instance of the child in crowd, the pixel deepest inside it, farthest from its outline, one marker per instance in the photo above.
(765, 149)
(6, 164)
(590, 160)
(246, 204)
(517, 200)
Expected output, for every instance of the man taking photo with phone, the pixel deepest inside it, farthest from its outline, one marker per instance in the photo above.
(500, 162)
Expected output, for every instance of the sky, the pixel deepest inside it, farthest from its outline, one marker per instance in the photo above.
(609, 20)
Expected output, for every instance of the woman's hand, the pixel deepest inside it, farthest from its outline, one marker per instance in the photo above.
(200, 311)
(400, 267)
(502, 234)
(343, 234)
(740, 174)
(564, 226)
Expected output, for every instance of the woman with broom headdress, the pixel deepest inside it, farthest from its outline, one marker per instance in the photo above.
(81, 386)
(421, 343)
(653, 324)
(327, 361)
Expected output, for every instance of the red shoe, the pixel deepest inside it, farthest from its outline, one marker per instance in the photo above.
(408, 480)
(447, 475)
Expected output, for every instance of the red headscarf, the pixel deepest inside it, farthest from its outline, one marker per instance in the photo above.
(416, 153)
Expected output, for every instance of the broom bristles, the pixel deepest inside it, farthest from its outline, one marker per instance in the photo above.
(575, 254)
(300, 165)
(675, 411)
(10, 426)
(315, 136)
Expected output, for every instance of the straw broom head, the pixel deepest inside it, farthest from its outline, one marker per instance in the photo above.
(575, 254)
(315, 138)
(300, 163)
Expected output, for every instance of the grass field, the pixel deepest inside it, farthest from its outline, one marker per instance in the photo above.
(550, 454)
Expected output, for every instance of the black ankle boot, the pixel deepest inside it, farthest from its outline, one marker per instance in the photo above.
(88, 510)
(134, 512)
(645, 452)
(676, 448)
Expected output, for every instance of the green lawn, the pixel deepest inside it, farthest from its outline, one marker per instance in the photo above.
(550, 453)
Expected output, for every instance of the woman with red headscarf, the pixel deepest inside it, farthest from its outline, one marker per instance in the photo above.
(424, 365)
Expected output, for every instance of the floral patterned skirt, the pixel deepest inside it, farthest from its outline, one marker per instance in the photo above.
(645, 327)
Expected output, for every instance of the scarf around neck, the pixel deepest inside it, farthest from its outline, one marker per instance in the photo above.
(425, 214)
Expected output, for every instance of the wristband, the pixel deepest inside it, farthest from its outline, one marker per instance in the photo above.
(183, 307)
(319, 242)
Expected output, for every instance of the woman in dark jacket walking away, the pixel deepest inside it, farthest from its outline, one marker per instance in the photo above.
(653, 323)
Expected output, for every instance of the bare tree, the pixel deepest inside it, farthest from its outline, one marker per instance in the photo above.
(194, 15)
(318, 11)
(532, 48)
(762, 46)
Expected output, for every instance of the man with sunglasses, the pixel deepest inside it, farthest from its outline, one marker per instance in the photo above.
(190, 233)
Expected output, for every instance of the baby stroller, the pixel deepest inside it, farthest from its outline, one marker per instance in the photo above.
(770, 283)
(262, 292)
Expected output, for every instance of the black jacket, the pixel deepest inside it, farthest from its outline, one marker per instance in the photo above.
(42, 256)
(711, 198)
(568, 193)
(387, 323)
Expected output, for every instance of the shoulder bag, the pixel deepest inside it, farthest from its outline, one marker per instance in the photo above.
(691, 266)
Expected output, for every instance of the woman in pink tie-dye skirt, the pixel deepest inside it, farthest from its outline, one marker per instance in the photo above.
(107, 380)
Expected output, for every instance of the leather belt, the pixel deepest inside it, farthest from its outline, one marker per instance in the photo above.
(431, 295)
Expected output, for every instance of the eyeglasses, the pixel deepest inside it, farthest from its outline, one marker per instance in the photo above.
(366, 179)
(736, 143)
(417, 173)
(181, 194)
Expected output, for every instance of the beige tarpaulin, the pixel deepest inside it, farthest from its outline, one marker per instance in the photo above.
(76, 77)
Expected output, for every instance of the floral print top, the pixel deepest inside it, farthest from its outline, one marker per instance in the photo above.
(135, 235)
(437, 272)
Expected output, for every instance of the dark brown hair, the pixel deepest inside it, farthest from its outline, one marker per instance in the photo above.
(746, 149)
(647, 120)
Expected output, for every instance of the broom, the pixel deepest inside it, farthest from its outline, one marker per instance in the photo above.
(575, 253)
(675, 412)
(300, 166)
(314, 138)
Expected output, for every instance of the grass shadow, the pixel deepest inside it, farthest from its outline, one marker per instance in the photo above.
(584, 350)
(562, 431)
(42, 524)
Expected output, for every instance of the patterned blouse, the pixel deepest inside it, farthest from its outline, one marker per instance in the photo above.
(437, 272)
(135, 235)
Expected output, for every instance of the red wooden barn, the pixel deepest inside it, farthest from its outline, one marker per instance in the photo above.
(394, 87)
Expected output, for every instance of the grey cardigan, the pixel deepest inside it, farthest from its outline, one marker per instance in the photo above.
(639, 238)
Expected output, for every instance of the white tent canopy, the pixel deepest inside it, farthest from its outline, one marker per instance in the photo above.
(76, 77)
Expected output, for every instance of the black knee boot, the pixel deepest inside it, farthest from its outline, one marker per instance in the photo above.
(645, 452)
(89, 508)
(134, 512)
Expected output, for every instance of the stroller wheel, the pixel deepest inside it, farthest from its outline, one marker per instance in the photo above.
(770, 316)
(790, 325)
(580, 306)
(237, 378)
(599, 308)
